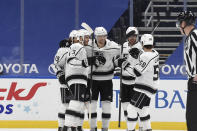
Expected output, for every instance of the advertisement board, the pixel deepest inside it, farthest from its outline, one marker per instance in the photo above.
(39, 99)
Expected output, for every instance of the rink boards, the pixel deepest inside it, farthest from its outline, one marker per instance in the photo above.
(33, 103)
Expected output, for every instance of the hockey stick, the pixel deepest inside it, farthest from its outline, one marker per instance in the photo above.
(120, 95)
(157, 24)
(89, 29)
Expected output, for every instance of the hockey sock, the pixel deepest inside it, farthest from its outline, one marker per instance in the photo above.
(124, 106)
(72, 115)
(61, 114)
(146, 124)
(106, 113)
(132, 117)
(93, 114)
(145, 118)
(61, 117)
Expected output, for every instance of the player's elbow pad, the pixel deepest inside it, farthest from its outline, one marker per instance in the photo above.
(137, 73)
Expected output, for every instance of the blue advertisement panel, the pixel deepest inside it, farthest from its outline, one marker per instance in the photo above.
(46, 22)
(174, 67)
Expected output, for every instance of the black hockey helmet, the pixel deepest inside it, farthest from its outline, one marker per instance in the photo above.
(187, 16)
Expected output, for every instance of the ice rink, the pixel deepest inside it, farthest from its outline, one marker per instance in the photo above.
(19, 129)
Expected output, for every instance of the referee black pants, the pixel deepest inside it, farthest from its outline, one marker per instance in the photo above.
(191, 107)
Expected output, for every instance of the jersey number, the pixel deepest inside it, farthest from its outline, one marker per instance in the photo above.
(156, 72)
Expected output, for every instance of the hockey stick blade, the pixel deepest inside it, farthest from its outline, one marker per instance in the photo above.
(87, 27)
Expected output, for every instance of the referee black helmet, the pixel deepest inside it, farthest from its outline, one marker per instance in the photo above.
(187, 16)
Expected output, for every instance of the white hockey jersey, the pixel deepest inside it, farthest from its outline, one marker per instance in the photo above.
(104, 71)
(146, 72)
(75, 73)
(60, 59)
(126, 77)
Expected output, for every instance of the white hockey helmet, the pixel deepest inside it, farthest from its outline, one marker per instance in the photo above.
(100, 31)
(84, 32)
(72, 33)
(147, 39)
(132, 31)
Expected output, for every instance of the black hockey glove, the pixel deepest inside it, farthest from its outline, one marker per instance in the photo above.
(61, 77)
(92, 60)
(134, 52)
(120, 61)
(85, 63)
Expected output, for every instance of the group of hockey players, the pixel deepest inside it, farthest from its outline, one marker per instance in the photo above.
(85, 69)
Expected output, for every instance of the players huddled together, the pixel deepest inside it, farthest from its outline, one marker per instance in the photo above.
(85, 68)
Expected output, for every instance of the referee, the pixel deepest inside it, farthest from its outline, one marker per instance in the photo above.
(186, 24)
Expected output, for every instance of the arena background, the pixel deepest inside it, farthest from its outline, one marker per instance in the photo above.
(30, 31)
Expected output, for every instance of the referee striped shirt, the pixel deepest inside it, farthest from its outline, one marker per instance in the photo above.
(190, 53)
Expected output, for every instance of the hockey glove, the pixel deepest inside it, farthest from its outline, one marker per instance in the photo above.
(120, 61)
(134, 52)
(85, 63)
(125, 64)
(61, 77)
(92, 60)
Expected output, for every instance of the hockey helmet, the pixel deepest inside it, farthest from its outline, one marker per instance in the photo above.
(84, 32)
(131, 31)
(147, 39)
(187, 16)
(100, 31)
(72, 33)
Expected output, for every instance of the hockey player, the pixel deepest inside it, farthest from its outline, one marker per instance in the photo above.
(128, 81)
(58, 67)
(103, 72)
(76, 79)
(147, 74)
